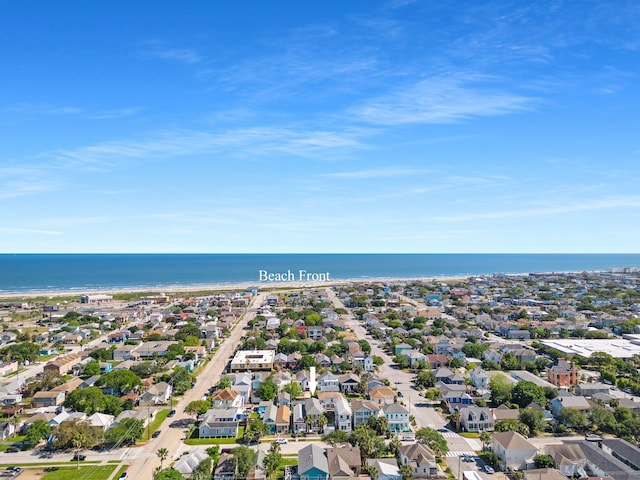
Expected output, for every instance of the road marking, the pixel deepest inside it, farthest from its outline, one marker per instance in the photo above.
(461, 454)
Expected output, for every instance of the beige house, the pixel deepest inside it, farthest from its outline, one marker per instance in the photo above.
(515, 451)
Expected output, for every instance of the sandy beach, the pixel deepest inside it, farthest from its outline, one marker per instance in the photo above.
(174, 290)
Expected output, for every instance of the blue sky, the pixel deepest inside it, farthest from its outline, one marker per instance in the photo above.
(332, 126)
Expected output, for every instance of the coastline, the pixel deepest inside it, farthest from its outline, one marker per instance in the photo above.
(218, 287)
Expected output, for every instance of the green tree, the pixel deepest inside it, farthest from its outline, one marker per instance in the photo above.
(491, 458)
(534, 419)
(512, 425)
(337, 437)
(434, 440)
(243, 458)
(267, 390)
(256, 430)
(197, 407)
(500, 389)
(366, 439)
(120, 381)
(162, 454)
(125, 432)
(603, 419)
(76, 434)
(485, 438)
(293, 388)
(38, 430)
(373, 472)
(572, 417)
(92, 400)
(102, 354)
(525, 393)
(425, 379)
(544, 461)
(91, 368)
(188, 330)
(406, 471)
(169, 474)
(272, 459)
(455, 419)
(225, 382)
(394, 447)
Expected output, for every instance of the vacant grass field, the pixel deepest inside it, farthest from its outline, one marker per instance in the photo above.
(96, 472)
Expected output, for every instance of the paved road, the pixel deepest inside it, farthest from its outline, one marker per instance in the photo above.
(144, 459)
(424, 414)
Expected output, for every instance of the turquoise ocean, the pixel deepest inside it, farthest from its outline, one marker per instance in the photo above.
(31, 273)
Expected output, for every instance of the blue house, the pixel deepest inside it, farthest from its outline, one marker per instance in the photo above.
(312, 463)
(105, 367)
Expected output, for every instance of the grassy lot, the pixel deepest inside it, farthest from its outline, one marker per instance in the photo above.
(194, 440)
(95, 472)
(160, 417)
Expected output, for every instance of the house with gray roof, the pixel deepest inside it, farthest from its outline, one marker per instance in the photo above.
(312, 463)
(515, 451)
(476, 419)
(220, 422)
(421, 459)
(398, 417)
(387, 468)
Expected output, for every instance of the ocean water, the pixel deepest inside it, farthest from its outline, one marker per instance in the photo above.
(27, 273)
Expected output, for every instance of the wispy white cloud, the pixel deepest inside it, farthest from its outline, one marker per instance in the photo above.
(308, 143)
(41, 109)
(28, 231)
(378, 173)
(163, 51)
(57, 110)
(442, 99)
(19, 181)
(111, 114)
(605, 203)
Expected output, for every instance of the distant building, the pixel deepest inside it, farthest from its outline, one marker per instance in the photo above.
(245, 360)
(96, 299)
(563, 374)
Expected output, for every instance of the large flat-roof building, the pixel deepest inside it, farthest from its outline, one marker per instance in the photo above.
(616, 347)
(252, 360)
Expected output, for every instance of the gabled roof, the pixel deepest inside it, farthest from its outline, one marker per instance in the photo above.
(226, 394)
(419, 453)
(312, 456)
(513, 441)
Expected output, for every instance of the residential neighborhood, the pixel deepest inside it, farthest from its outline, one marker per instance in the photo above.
(500, 375)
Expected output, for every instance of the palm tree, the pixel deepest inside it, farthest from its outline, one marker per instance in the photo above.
(455, 418)
(322, 421)
(162, 454)
(485, 438)
(308, 419)
(406, 471)
(78, 441)
(373, 472)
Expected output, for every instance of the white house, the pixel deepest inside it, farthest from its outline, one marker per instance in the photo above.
(515, 451)
(387, 468)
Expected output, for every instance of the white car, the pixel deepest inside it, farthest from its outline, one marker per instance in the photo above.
(281, 441)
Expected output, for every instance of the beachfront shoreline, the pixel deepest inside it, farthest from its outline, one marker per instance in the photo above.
(217, 287)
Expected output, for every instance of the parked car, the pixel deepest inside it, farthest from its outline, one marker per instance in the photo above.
(78, 456)
(155, 434)
(488, 469)
(171, 413)
(124, 476)
(281, 441)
